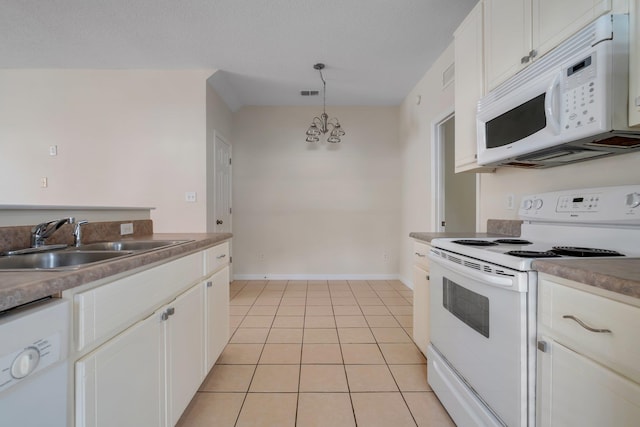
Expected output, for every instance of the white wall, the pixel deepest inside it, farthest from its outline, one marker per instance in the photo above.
(415, 139)
(315, 211)
(616, 170)
(124, 137)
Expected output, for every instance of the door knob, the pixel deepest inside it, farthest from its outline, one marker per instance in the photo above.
(218, 221)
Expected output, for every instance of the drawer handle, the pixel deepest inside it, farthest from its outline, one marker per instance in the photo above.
(420, 255)
(221, 256)
(584, 325)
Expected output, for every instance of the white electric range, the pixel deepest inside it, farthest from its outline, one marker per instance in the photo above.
(483, 298)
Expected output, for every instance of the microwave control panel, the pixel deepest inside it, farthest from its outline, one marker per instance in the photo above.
(579, 92)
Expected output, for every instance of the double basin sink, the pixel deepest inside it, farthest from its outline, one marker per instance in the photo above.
(76, 257)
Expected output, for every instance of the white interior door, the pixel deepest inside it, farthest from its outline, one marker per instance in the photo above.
(222, 185)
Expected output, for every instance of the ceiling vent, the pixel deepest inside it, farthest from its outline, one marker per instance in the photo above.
(309, 92)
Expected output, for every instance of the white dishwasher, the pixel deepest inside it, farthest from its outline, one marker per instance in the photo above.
(34, 341)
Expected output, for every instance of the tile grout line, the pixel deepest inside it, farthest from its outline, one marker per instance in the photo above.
(254, 370)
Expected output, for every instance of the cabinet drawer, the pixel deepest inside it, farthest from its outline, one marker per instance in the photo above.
(216, 257)
(618, 349)
(104, 311)
(420, 255)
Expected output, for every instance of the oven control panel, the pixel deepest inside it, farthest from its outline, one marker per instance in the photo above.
(578, 203)
(620, 204)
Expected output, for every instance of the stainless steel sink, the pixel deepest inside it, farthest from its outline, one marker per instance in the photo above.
(57, 260)
(129, 245)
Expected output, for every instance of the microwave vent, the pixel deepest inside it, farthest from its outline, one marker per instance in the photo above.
(617, 142)
(582, 40)
(521, 165)
(562, 155)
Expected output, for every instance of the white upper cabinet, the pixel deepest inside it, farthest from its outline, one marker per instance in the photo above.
(469, 88)
(555, 21)
(634, 62)
(517, 32)
(507, 38)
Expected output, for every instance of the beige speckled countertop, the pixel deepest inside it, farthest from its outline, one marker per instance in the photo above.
(620, 275)
(428, 237)
(495, 228)
(20, 287)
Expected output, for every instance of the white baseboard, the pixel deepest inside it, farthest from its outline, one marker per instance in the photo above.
(317, 277)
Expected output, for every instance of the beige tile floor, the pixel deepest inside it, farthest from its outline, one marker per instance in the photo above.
(318, 353)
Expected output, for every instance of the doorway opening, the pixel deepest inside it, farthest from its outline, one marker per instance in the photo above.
(454, 196)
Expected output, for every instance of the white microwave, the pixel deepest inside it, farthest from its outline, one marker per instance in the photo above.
(568, 106)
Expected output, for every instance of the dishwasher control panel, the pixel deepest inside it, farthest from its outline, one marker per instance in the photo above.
(32, 339)
(21, 363)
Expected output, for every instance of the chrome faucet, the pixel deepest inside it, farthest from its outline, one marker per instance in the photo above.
(77, 232)
(41, 232)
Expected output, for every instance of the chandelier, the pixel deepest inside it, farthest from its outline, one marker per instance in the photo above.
(323, 124)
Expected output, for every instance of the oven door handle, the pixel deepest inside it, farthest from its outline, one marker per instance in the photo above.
(471, 273)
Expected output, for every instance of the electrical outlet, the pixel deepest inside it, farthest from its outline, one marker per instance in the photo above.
(261, 257)
(190, 196)
(511, 201)
(126, 228)
(44, 182)
(385, 257)
(53, 150)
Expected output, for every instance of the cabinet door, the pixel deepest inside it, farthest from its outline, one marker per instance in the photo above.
(421, 308)
(185, 351)
(469, 78)
(507, 30)
(121, 383)
(634, 64)
(217, 315)
(579, 392)
(554, 21)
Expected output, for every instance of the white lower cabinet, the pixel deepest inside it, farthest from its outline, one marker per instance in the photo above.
(122, 382)
(147, 373)
(580, 392)
(217, 315)
(421, 296)
(185, 350)
(588, 354)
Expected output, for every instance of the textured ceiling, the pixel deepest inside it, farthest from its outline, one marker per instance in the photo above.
(375, 50)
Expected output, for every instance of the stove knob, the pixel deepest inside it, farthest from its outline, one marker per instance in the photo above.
(527, 204)
(633, 200)
(538, 203)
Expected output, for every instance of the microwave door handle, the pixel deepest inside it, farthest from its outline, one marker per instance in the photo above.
(553, 114)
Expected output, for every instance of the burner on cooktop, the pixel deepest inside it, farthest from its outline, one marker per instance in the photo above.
(474, 242)
(513, 241)
(584, 252)
(533, 254)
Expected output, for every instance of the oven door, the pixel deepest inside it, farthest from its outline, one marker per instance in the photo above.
(479, 324)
